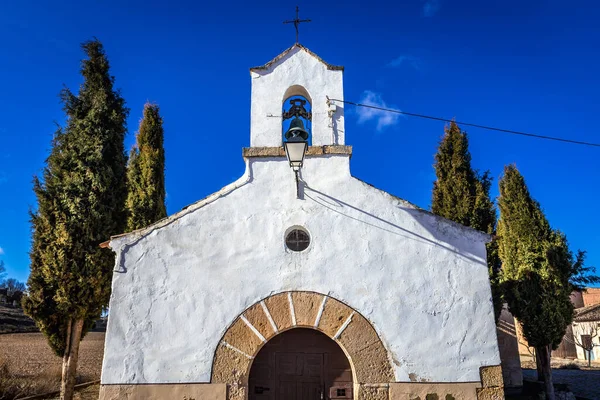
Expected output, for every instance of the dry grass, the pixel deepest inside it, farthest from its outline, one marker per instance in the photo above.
(88, 393)
(28, 366)
(528, 362)
(14, 385)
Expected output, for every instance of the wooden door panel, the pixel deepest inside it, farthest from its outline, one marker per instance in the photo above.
(288, 391)
(261, 391)
(288, 364)
(311, 391)
(313, 367)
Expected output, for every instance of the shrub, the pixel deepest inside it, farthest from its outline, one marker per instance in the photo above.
(571, 365)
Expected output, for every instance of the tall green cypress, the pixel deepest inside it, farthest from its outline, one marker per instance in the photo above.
(537, 271)
(146, 172)
(80, 204)
(462, 195)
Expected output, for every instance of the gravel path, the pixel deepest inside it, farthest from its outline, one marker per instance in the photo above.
(582, 383)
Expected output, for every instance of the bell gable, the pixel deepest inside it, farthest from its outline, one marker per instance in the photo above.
(296, 72)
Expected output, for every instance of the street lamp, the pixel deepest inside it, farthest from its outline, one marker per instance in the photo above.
(295, 145)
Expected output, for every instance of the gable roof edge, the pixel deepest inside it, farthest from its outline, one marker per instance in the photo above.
(140, 233)
(486, 237)
(288, 50)
(587, 314)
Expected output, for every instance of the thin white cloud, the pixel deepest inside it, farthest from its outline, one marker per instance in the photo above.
(1, 251)
(431, 7)
(382, 118)
(405, 59)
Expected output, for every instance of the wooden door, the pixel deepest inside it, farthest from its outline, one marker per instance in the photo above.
(299, 376)
(300, 364)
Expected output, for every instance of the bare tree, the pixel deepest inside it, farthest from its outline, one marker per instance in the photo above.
(13, 286)
(584, 338)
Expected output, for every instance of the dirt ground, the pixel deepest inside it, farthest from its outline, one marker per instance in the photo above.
(583, 383)
(33, 368)
(30, 367)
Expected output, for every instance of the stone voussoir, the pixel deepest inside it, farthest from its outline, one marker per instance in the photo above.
(334, 315)
(358, 335)
(240, 336)
(371, 365)
(306, 307)
(279, 308)
(230, 366)
(257, 317)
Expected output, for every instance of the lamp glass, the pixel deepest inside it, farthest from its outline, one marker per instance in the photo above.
(295, 151)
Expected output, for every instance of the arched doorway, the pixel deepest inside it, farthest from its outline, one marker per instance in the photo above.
(263, 321)
(300, 364)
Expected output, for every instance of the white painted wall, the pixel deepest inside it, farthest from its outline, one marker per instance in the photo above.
(421, 280)
(591, 328)
(298, 67)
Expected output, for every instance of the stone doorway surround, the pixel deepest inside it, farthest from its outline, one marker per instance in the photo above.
(371, 368)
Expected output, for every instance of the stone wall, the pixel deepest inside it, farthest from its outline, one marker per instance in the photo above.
(489, 388)
(509, 350)
(166, 392)
(591, 296)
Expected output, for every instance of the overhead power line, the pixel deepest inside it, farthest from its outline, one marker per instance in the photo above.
(491, 128)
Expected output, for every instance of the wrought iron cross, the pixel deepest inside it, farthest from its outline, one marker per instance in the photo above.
(296, 22)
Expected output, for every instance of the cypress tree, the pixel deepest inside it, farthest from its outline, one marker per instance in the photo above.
(539, 271)
(146, 172)
(462, 195)
(80, 203)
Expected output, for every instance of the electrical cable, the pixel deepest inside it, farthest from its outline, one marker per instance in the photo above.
(558, 139)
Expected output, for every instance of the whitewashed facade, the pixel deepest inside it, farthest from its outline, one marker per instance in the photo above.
(420, 280)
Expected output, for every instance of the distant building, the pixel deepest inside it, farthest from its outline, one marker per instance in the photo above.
(586, 332)
(586, 315)
(591, 296)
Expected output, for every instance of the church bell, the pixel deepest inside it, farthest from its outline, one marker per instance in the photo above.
(296, 130)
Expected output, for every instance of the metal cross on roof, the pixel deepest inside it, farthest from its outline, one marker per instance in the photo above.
(296, 22)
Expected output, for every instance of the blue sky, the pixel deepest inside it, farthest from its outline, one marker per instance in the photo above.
(524, 65)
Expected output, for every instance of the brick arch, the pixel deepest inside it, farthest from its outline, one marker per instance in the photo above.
(252, 329)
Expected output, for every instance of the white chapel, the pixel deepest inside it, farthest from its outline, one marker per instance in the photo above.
(299, 281)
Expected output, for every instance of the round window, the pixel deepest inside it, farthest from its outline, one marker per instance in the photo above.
(297, 239)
